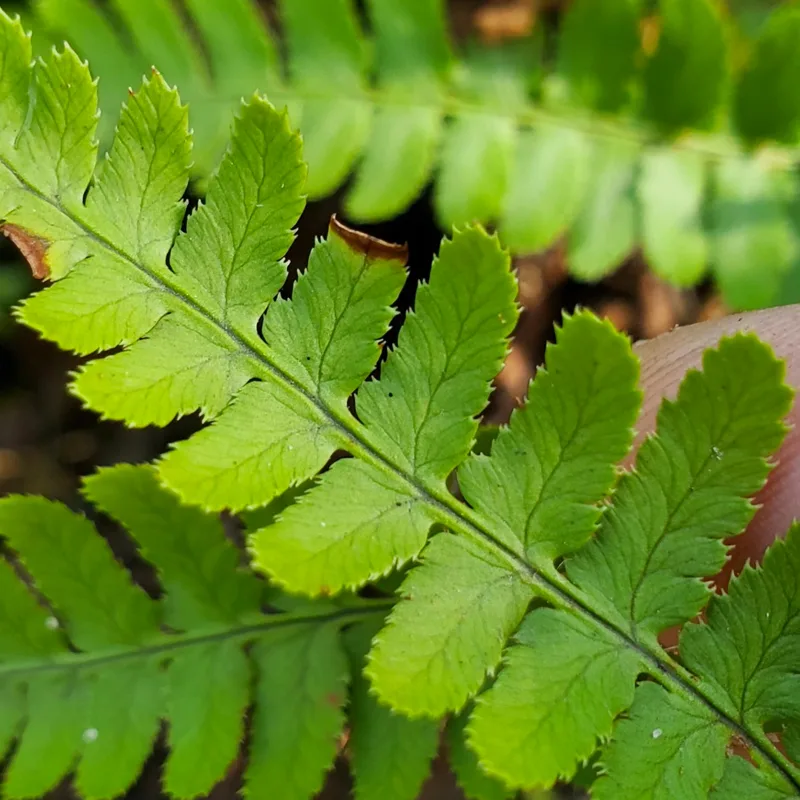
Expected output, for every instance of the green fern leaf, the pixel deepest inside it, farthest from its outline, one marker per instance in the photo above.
(372, 96)
(688, 492)
(472, 780)
(454, 341)
(325, 339)
(390, 754)
(559, 449)
(183, 543)
(96, 707)
(462, 604)
(52, 736)
(751, 669)
(421, 412)
(746, 656)
(668, 733)
(103, 607)
(233, 266)
(563, 684)
(204, 738)
(354, 527)
(299, 698)
(743, 781)
(465, 601)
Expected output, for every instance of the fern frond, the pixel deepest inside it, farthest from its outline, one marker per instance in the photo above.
(90, 680)
(618, 139)
(537, 574)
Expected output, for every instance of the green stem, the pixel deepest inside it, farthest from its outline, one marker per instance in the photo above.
(709, 144)
(166, 643)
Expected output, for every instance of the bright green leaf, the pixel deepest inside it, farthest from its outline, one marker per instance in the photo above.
(357, 525)
(124, 705)
(447, 632)
(198, 566)
(76, 571)
(684, 80)
(299, 697)
(605, 229)
(748, 650)
(208, 690)
(668, 747)
(689, 491)
(560, 689)
(325, 338)
(52, 738)
(671, 194)
(549, 470)
(421, 411)
(390, 754)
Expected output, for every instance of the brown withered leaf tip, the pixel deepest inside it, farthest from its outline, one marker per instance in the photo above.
(33, 248)
(370, 246)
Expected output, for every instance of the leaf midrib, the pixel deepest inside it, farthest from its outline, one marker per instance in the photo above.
(710, 144)
(168, 642)
(553, 588)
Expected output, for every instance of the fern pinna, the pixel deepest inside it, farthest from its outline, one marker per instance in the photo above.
(530, 610)
(88, 681)
(635, 125)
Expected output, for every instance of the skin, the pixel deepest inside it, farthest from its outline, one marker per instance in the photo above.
(665, 361)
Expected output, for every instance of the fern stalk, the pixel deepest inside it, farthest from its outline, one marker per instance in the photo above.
(165, 645)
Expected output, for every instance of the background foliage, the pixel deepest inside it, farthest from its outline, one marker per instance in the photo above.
(669, 125)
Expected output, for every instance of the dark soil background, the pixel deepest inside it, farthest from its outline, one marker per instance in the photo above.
(48, 442)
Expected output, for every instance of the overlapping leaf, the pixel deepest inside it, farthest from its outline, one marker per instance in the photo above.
(378, 106)
(688, 492)
(747, 658)
(100, 704)
(566, 676)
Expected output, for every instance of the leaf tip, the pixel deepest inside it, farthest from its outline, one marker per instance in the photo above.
(33, 249)
(369, 246)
